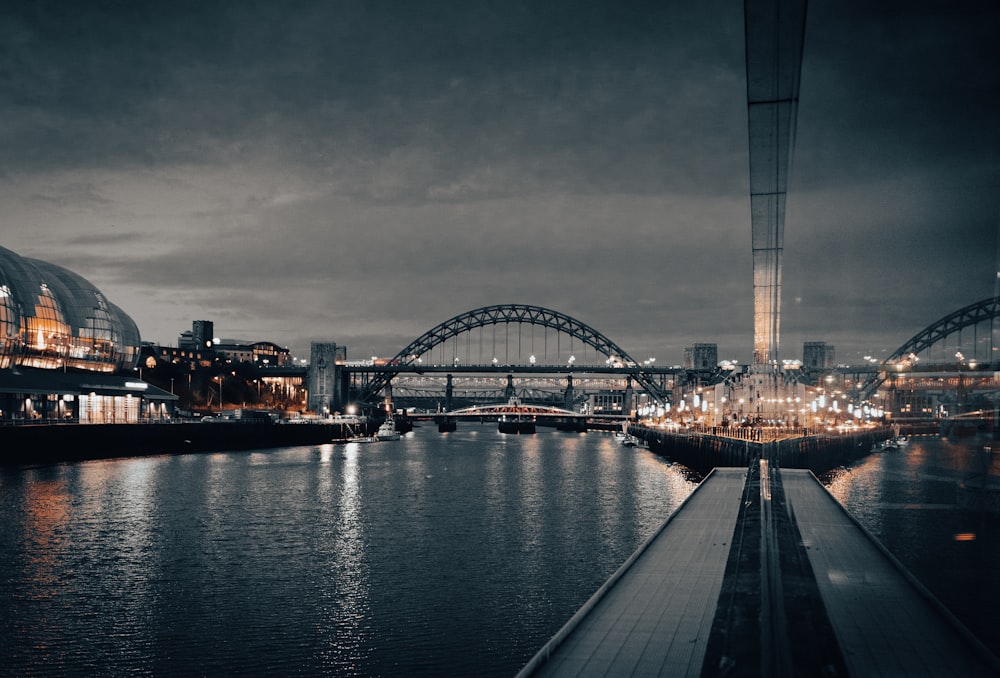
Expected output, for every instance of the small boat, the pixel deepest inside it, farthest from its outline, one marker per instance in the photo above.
(354, 434)
(387, 431)
(626, 438)
(896, 443)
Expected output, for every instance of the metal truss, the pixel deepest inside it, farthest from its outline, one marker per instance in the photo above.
(501, 314)
(973, 314)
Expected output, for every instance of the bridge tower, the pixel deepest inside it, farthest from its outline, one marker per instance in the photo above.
(327, 387)
(508, 391)
(570, 395)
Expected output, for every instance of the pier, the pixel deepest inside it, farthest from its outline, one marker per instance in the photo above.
(818, 451)
(762, 572)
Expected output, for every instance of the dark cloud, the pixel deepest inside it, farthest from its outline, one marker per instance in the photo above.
(363, 170)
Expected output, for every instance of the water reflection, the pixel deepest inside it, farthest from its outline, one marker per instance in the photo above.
(346, 604)
(458, 553)
(45, 513)
(908, 499)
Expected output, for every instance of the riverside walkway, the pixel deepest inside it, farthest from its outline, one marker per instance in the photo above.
(761, 572)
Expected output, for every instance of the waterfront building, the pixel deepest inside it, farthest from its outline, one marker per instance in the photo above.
(199, 344)
(258, 353)
(701, 357)
(67, 353)
(817, 355)
(608, 402)
(199, 337)
(260, 372)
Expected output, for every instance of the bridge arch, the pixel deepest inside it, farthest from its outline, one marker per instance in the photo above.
(972, 315)
(505, 314)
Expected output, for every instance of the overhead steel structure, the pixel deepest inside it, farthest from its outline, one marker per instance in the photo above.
(972, 315)
(774, 37)
(510, 313)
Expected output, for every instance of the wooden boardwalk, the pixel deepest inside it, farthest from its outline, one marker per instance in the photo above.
(655, 616)
(654, 620)
(886, 623)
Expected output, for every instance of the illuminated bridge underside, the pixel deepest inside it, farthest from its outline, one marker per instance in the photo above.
(986, 310)
(500, 410)
(510, 314)
(774, 36)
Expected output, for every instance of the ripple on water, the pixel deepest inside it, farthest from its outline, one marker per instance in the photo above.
(438, 554)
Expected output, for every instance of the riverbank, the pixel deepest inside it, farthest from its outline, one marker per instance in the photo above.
(54, 443)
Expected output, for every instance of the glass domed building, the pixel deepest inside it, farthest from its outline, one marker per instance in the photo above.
(53, 318)
(66, 352)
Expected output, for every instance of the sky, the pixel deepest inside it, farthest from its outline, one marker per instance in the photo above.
(358, 171)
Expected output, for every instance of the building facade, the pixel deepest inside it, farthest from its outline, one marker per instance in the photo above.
(817, 355)
(52, 318)
(701, 357)
(66, 352)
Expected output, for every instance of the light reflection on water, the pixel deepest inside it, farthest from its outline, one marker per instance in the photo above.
(908, 500)
(458, 553)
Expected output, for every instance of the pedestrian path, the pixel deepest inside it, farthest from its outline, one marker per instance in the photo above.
(808, 568)
(655, 618)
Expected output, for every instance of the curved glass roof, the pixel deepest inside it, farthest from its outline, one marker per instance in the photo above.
(50, 317)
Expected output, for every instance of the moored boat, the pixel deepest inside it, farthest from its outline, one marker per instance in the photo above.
(387, 431)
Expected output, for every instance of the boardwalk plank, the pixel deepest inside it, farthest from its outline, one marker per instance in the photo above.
(656, 619)
(884, 622)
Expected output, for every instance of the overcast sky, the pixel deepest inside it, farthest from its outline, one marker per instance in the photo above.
(359, 171)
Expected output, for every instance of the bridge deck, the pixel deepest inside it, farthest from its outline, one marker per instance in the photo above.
(655, 616)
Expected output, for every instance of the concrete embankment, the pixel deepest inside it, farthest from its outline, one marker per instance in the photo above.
(46, 444)
(704, 451)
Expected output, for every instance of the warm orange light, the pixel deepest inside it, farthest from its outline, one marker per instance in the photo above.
(965, 536)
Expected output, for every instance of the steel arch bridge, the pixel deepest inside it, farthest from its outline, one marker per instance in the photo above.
(968, 316)
(508, 314)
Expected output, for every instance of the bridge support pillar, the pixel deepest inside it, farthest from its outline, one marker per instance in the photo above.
(328, 382)
(341, 388)
(508, 392)
(628, 403)
(448, 391)
(569, 396)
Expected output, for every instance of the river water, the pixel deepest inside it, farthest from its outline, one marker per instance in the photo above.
(908, 500)
(437, 554)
